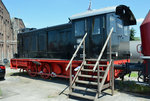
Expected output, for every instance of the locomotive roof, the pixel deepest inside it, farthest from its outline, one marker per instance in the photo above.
(93, 12)
(66, 25)
(123, 11)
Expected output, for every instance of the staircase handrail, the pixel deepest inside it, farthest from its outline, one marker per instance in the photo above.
(102, 51)
(75, 53)
(105, 75)
(73, 81)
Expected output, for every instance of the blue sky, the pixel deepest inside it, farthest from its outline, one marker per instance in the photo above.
(44, 13)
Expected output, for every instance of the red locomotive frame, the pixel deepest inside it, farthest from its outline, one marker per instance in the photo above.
(54, 68)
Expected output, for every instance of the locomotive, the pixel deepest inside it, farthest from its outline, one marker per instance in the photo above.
(57, 51)
(47, 51)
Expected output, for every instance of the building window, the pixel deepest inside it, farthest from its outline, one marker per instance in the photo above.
(79, 28)
(96, 26)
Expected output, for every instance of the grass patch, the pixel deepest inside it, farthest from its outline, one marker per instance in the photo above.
(133, 74)
(131, 86)
(137, 38)
(51, 96)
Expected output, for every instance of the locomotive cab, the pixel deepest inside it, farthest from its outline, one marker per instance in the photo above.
(97, 23)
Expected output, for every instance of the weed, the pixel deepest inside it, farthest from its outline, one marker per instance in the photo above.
(131, 86)
(133, 74)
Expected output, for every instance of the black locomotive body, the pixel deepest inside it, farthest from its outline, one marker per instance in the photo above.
(60, 42)
(54, 42)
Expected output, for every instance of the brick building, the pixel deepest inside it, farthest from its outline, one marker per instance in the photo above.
(5, 33)
(8, 33)
(17, 25)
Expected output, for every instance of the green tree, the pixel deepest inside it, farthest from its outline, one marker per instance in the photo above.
(132, 34)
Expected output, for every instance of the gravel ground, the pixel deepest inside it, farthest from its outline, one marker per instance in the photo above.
(20, 87)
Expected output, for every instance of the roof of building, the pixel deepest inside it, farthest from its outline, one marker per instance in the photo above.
(93, 12)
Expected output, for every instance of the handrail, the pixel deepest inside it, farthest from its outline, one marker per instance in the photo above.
(74, 55)
(101, 53)
(77, 73)
(105, 75)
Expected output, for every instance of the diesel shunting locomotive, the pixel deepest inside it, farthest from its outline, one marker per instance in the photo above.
(85, 49)
(53, 47)
(59, 42)
(91, 49)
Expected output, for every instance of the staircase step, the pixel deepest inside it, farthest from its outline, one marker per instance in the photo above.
(91, 70)
(86, 82)
(82, 96)
(89, 76)
(84, 89)
(94, 65)
(95, 59)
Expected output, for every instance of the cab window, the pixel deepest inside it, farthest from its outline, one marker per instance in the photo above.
(119, 26)
(96, 26)
(79, 28)
(113, 23)
(126, 30)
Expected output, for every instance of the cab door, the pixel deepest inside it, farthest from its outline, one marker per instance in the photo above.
(115, 39)
(79, 32)
(97, 35)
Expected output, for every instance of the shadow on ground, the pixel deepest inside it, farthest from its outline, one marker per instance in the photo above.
(2, 79)
(63, 81)
(120, 86)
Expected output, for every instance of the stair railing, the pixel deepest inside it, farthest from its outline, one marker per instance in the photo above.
(102, 51)
(105, 75)
(73, 81)
(74, 55)
(98, 60)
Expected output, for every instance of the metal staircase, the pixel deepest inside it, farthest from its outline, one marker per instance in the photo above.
(94, 75)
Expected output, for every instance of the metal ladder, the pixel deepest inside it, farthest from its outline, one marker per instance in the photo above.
(91, 77)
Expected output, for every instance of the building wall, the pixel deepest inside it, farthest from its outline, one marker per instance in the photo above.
(8, 33)
(5, 33)
(17, 25)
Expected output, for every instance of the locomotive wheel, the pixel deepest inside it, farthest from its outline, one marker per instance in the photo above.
(32, 71)
(46, 70)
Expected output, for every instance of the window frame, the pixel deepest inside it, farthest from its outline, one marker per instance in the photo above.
(93, 25)
(114, 23)
(82, 20)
